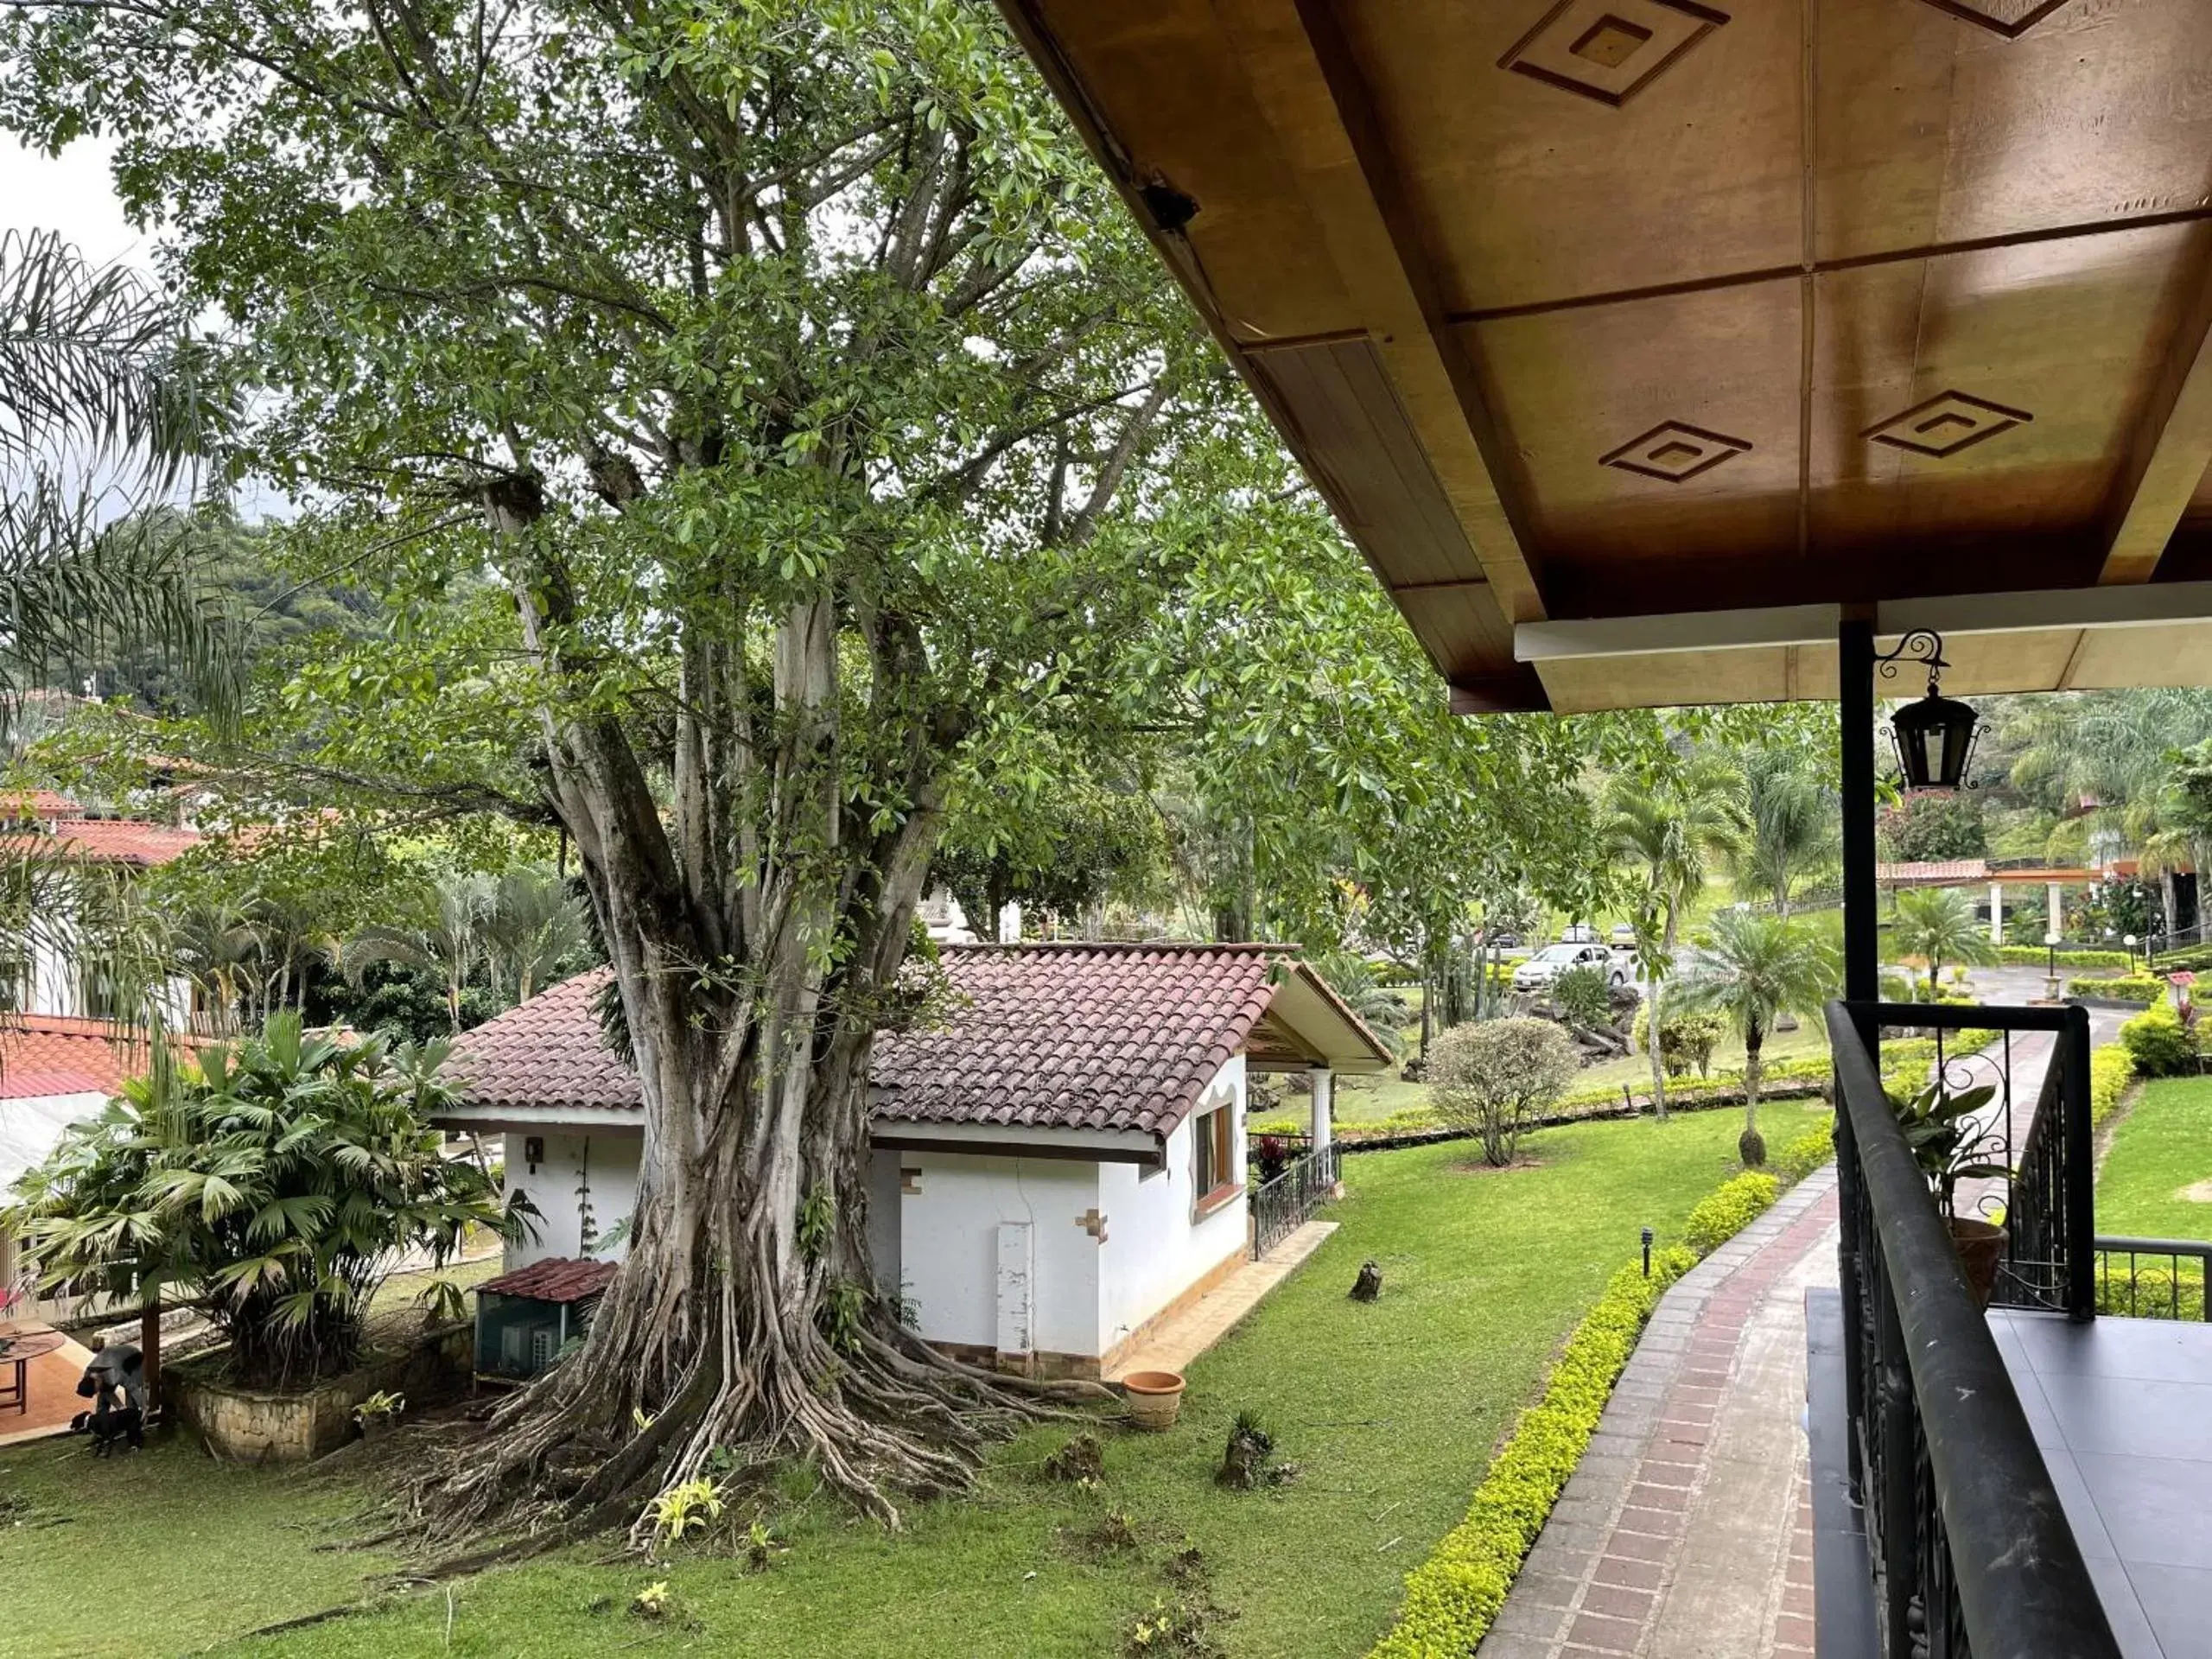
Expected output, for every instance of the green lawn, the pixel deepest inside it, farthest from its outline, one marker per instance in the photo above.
(2162, 1149)
(1392, 1411)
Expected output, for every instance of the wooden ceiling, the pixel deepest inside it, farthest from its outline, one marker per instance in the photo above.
(1619, 308)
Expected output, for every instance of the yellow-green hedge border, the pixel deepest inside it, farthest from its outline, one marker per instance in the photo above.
(1453, 1597)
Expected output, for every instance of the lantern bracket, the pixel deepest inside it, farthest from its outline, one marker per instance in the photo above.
(1922, 645)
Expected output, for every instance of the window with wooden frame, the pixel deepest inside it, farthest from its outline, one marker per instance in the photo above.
(1213, 1158)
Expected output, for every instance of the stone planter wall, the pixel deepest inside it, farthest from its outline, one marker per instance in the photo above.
(255, 1426)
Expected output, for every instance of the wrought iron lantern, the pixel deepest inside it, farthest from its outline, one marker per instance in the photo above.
(1935, 737)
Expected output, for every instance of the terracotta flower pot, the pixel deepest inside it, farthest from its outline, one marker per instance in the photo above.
(1980, 1245)
(1152, 1398)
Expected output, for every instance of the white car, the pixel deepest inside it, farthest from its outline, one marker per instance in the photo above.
(1548, 963)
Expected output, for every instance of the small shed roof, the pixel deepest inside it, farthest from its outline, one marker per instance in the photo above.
(556, 1279)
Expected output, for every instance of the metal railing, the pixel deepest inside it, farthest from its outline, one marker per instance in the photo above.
(1279, 1207)
(2155, 1293)
(1970, 1548)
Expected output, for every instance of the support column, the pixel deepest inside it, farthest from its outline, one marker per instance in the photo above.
(1323, 1081)
(1862, 962)
(1997, 913)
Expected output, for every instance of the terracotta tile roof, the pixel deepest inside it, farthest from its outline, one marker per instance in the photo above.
(1068, 1036)
(547, 1053)
(105, 841)
(1078, 1036)
(556, 1279)
(37, 803)
(1932, 874)
(49, 1054)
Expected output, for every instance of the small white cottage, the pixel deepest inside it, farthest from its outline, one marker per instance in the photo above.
(1054, 1170)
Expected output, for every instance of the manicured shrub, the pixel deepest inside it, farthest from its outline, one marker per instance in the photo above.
(2027, 955)
(2149, 1293)
(1451, 1597)
(1584, 995)
(2112, 1068)
(1730, 1208)
(2131, 988)
(2158, 1043)
(1496, 1076)
(1801, 1157)
(1686, 1040)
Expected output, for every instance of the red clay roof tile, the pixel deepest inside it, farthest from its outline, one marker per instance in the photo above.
(556, 1279)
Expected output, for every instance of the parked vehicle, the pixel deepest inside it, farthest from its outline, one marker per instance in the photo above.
(1548, 963)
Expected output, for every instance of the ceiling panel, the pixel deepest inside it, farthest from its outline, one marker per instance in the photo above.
(1652, 429)
(1667, 148)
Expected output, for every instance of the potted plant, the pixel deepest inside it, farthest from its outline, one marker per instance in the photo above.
(1950, 1146)
(378, 1412)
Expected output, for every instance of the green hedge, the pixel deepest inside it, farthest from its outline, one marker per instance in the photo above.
(2112, 1068)
(2131, 988)
(2154, 1294)
(2033, 955)
(1730, 1208)
(1805, 1154)
(1451, 1597)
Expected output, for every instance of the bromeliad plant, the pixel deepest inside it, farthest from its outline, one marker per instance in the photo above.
(274, 1184)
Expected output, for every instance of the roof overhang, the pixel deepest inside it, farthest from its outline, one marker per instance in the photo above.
(1622, 309)
(1306, 1026)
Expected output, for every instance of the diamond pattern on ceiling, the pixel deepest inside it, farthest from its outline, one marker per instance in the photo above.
(1610, 50)
(1946, 424)
(1676, 452)
(2011, 18)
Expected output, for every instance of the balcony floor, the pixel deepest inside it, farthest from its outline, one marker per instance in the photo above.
(2122, 1409)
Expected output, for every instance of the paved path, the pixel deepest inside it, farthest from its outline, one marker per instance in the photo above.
(1177, 1340)
(1687, 1532)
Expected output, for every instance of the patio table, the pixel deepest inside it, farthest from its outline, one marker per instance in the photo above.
(16, 1356)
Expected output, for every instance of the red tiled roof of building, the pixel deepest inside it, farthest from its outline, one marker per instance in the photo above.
(556, 1279)
(43, 1054)
(546, 1052)
(1084, 1036)
(1932, 873)
(37, 803)
(106, 841)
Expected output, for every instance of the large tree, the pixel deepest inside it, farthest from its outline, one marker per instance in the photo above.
(824, 430)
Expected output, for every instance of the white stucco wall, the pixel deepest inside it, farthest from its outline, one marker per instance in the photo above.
(883, 1241)
(610, 1158)
(29, 1128)
(949, 1247)
(1154, 1251)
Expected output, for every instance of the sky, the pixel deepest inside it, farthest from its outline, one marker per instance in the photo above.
(70, 193)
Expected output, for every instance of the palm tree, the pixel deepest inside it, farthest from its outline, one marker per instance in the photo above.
(532, 922)
(1796, 825)
(447, 940)
(97, 377)
(1755, 968)
(1665, 832)
(1938, 924)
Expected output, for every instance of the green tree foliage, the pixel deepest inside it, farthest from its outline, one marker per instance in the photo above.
(1932, 826)
(273, 1185)
(1754, 967)
(1495, 1077)
(1795, 817)
(1667, 820)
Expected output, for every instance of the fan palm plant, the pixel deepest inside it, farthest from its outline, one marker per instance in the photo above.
(1796, 825)
(531, 921)
(1939, 925)
(1753, 969)
(1665, 832)
(275, 1185)
(447, 940)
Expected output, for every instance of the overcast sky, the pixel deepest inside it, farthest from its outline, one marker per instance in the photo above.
(71, 194)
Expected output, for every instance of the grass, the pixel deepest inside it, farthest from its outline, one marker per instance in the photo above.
(2161, 1149)
(1392, 1410)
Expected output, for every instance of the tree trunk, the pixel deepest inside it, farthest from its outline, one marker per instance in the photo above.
(149, 1346)
(1750, 1146)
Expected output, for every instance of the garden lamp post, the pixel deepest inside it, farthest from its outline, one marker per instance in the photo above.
(2129, 941)
(2051, 964)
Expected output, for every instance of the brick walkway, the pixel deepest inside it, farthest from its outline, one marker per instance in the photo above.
(1687, 1532)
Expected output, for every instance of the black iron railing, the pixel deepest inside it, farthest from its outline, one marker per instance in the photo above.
(1280, 1206)
(2143, 1278)
(1970, 1547)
